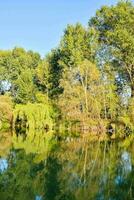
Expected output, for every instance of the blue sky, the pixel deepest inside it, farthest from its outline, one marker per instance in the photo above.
(39, 24)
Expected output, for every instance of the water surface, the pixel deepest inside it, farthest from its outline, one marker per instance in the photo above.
(71, 170)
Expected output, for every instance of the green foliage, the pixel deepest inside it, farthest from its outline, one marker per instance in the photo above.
(6, 112)
(48, 74)
(17, 69)
(116, 33)
(88, 78)
(81, 99)
(31, 117)
(76, 45)
(26, 89)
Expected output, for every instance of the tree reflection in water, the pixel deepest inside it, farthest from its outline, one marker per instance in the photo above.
(76, 170)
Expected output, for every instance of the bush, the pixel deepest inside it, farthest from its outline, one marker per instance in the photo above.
(6, 112)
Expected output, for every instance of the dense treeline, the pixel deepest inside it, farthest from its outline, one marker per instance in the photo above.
(87, 82)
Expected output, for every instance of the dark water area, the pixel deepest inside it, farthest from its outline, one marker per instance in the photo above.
(71, 170)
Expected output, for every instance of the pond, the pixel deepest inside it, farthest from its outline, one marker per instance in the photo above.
(75, 169)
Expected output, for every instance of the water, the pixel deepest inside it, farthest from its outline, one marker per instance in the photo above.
(74, 170)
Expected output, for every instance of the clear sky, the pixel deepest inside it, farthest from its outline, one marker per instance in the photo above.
(39, 24)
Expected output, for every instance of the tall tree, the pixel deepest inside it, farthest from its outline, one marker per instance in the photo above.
(115, 25)
(77, 44)
(48, 74)
(81, 99)
(18, 66)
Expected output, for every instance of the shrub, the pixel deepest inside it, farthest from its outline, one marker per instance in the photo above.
(6, 112)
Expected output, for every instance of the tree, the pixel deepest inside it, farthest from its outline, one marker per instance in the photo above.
(81, 99)
(48, 74)
(76, 45)
(6, 112)
(25, 88)
(115, 26)
(15, 66)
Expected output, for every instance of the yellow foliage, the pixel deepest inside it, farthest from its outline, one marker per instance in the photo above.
(6, 111)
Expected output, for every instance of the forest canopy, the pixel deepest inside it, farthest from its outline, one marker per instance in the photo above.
(86, 82)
